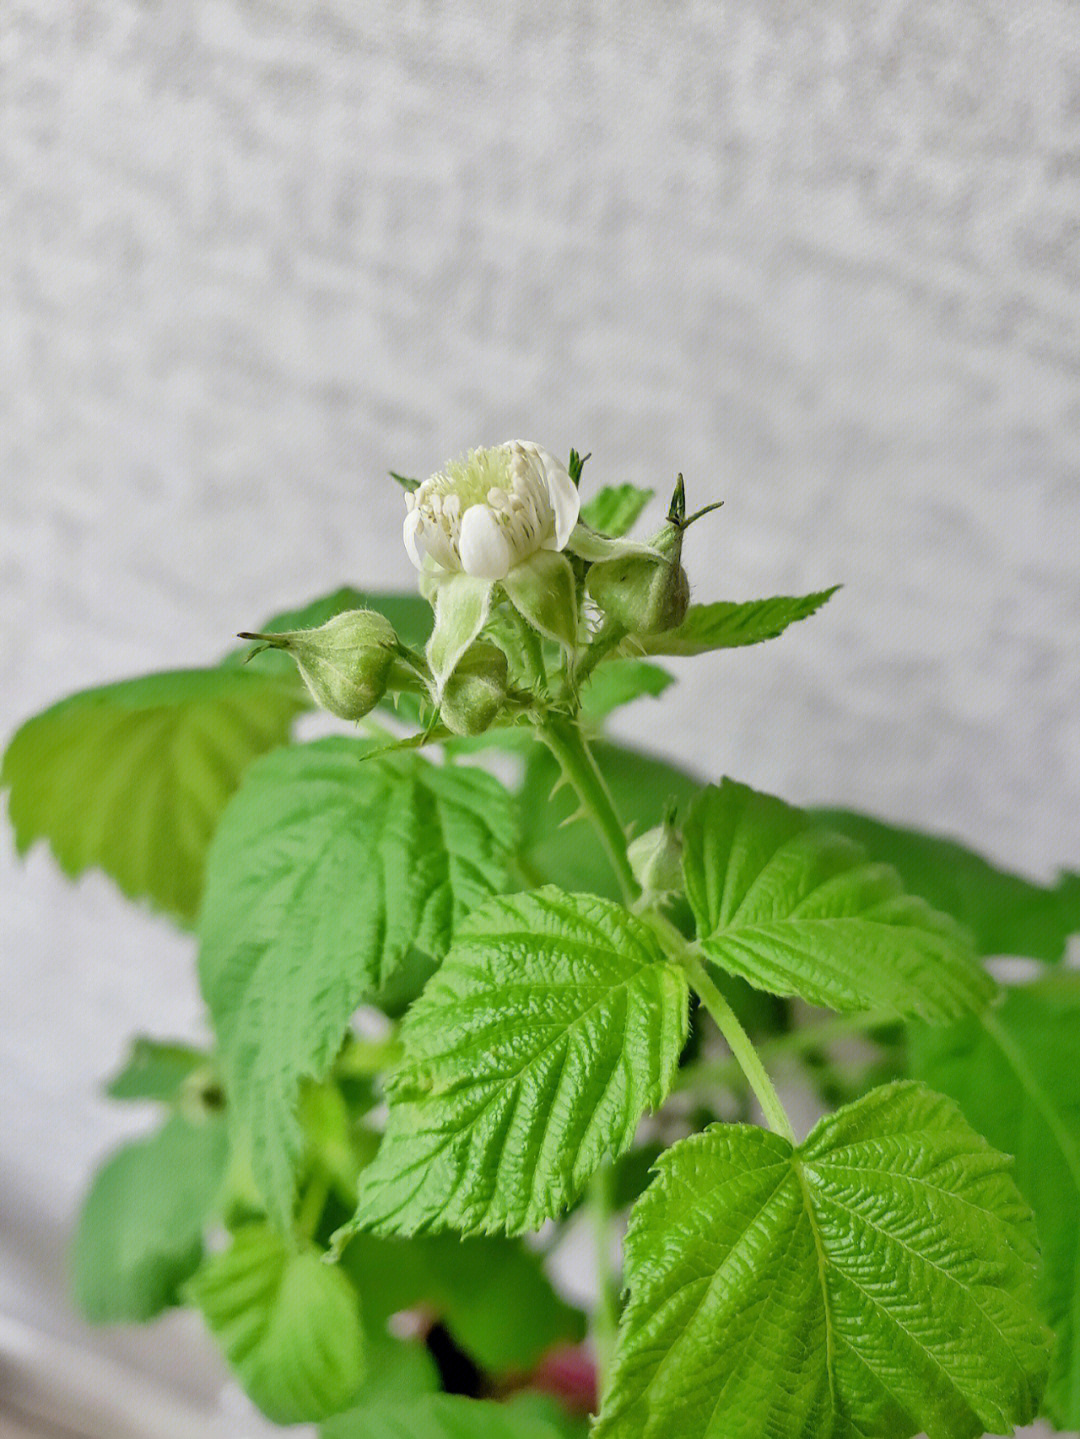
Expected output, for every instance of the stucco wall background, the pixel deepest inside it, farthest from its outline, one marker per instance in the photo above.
(822, 258)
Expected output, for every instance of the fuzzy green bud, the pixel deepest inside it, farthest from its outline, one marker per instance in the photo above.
(476, 691)
(656, 858)
(345, 663)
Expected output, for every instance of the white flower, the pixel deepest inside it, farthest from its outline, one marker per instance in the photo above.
(487, 514)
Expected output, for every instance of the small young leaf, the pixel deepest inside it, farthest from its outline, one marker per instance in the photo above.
(155, 1070)
(288, 1324)
(1013, 1071)
(131, 778)
(619, 682)
(491, 1293)
(140, 1232)
(1006, 913)
(727, 624)
(329, 868)
(615, 509)
(552, 1025)
(440, 1416)
(877, 1280)
(797, 910)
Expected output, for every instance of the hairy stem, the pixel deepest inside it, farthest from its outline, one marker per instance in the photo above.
(606, 1314)
(565, 741)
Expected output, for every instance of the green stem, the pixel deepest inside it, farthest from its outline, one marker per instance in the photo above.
(606, 1315)
(311, 1208)
(738, 1041)
(566, 742)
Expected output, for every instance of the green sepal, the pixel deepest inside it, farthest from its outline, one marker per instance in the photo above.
(462, 604)
(543, 592)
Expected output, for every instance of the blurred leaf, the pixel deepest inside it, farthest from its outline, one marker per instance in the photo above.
(619, 682)
(441, 1416)
(615, 509)
(155, 1070)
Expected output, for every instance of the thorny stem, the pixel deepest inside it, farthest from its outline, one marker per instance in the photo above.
(566, 742)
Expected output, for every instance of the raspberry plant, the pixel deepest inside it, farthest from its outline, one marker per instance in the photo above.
(450, 1015)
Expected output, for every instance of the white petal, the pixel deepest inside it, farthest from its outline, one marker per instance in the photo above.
(415, 546)
(484, 546)
(562, 492)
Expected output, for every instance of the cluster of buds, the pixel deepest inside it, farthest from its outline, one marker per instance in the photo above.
(498, 526)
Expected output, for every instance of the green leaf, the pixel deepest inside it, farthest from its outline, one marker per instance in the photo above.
(491, 1293)
(410, 615)
(155, 1070)
(552, 1025)
(619, 682)
(727, 624)
(131, 778)
(288, 1324)
(441, 1416)
(615, 509)
(543, 592)
(1013, 1071)
(1006, 913)
(140, 1231)
(875, 1281)
(327, 870)
(794, 909)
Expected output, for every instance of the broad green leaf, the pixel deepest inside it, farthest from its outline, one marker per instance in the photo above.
(441, 1416)
(491, 1293)
(131, 778)
(410, 615)
(618, 683)
(1013, 1070)
(155, 1070)
(288, 1324)
(1006, 913)
(875, 1281)
(615, 509)
(727, 624)
(795, 909)
(140, 1231)
(552, 1025)
(327, 871)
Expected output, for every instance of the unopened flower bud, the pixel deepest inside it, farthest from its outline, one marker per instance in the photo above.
(476, 691)
(656, 858)
(345, 663)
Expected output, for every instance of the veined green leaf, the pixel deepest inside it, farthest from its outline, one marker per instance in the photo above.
(876, 1281)
(552, 1025)
(441, 1416)
(794, 909)
(155, 1070)
(1006, 913)
(615, 509)
(1013, 1070)
(327, 869)
(727, 624)
(141, 1228)
(490, 1292)
(131, 778)
(288, 1324)
(619, 682)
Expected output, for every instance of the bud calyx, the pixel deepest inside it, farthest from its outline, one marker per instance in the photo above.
(345, 663)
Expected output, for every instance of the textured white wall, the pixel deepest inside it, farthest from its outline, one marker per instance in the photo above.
(823, 258)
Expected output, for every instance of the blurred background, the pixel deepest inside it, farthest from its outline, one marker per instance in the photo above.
(822, 258)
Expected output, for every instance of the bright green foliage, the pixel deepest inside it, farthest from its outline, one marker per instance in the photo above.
(615, 509)
(553, 1024)
(491, 1293)
(1014, 1071)
(726, 624)
(442, 1416)
(155, 1070)
(619, 682)
(797, 910)
(1006, 913)
(131, 778)
(288, 1324)
(327, 870)
(875, 1281)
(141, 1227)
